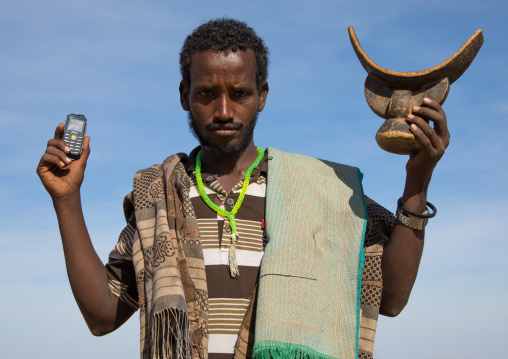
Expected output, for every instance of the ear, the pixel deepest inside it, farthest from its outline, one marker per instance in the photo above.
(184, 96)
(263, 92)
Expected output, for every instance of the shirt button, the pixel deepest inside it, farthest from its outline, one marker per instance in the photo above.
(230, 201)
(227, 228)
(209, 178)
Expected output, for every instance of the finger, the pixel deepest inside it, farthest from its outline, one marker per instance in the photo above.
(59, 131)
(433, 104)
(48, 161)
(425, 131)
(85, 152)
(441, 125)
(60, 154)
(60, 144)
(437, 117)
(425, 143)
(429, 114)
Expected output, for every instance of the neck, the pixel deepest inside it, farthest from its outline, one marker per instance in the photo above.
(229, 170)
(237, 162)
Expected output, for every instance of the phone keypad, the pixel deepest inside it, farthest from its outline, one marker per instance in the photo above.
(75, 142)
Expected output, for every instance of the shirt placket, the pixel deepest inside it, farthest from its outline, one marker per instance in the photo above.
(227, 202)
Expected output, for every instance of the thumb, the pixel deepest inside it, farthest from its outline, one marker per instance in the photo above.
(85, 152)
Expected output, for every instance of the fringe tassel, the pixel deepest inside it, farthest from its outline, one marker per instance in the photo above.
(270, 350)
(233, 265)
(170, 335)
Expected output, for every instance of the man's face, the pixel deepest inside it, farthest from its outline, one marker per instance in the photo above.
(223, 100)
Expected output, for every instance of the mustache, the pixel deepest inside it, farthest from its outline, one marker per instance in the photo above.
(226, 126)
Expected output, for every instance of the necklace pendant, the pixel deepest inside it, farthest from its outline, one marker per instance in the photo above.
(234, 239)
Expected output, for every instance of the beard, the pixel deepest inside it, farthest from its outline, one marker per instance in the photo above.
(225, 150)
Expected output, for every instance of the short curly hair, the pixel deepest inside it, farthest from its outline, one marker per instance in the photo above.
(226, 35)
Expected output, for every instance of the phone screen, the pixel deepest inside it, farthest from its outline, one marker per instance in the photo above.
(75, 125)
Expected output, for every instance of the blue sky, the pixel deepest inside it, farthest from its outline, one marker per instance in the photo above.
(117, 63)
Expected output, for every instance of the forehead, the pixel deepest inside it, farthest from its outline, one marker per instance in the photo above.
(211, 65)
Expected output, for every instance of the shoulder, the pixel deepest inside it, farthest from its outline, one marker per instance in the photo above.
(380, 223)
(281, 155)
(148, 183)
(314, 166)
(156, 171)
(169, 161)
(375, 210)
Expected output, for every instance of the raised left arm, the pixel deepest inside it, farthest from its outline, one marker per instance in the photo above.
(402, 253)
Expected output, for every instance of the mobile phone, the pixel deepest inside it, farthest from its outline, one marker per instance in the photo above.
(74, 133)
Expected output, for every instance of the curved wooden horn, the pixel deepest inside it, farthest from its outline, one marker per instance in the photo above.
(452, 68)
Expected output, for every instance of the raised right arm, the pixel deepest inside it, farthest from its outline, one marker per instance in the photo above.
(62, 178)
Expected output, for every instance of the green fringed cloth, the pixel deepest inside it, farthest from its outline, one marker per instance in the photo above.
(309, 288)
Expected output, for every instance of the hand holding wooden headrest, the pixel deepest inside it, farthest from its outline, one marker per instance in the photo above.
(392, 94)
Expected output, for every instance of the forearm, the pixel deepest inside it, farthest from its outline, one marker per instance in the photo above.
(402, 253)
(87, 274)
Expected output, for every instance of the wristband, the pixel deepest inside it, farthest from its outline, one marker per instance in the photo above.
(421, 219)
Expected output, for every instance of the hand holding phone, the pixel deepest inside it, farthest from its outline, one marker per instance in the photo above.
(60, 175)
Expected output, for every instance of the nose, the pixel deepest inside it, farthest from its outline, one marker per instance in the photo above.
(223, 109)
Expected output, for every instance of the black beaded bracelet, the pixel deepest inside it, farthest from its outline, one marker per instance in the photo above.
(418, 215)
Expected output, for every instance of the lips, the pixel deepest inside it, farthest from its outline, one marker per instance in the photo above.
(224, 129)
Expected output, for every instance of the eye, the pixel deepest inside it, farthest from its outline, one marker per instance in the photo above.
(241, 93)
(206, 93)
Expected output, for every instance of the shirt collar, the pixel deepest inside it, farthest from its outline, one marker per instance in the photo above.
(260, 169)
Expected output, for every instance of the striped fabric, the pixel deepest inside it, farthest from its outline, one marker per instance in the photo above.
(120, 290)
(229, 297)
(122, 280)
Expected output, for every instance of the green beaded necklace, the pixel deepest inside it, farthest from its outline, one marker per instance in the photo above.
(233, 266)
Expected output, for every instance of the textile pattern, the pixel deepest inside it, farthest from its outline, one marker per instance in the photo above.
(309, 286)
(169, 265)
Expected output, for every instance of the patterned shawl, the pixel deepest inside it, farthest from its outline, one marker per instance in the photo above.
(169, 265)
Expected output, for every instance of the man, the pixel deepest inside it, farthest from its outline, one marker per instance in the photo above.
(199, 225)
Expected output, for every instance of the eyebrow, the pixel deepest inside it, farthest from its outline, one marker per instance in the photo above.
(242, 88)
(204, 87)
